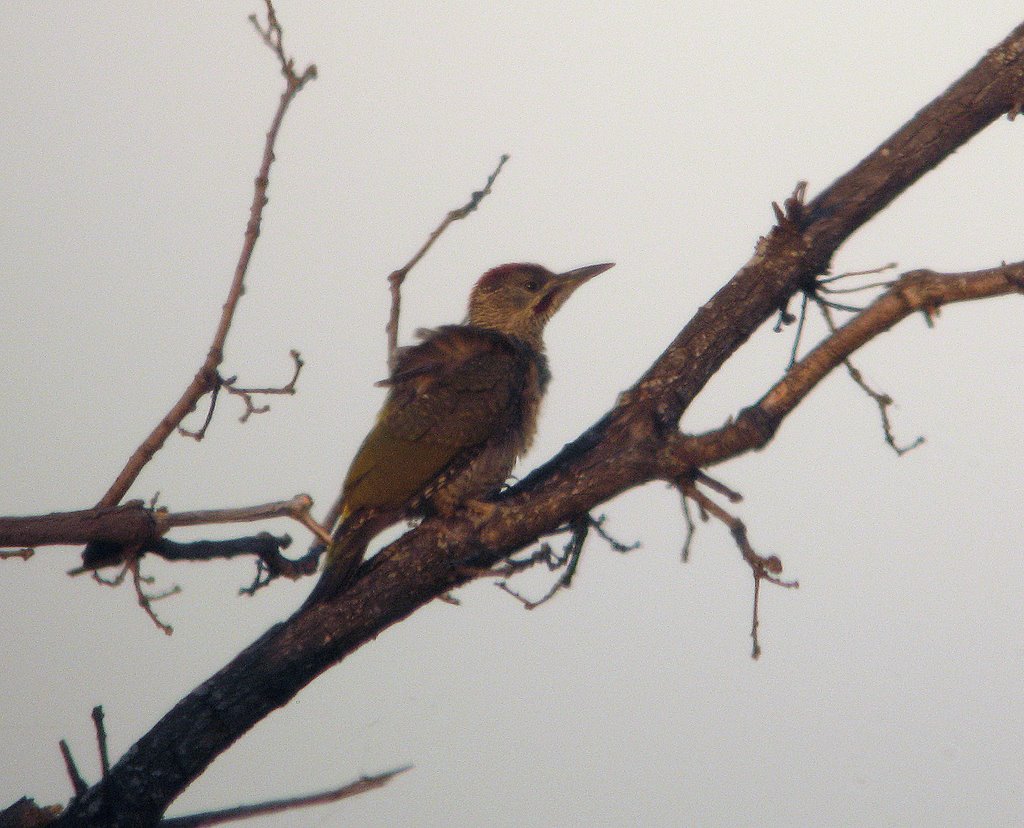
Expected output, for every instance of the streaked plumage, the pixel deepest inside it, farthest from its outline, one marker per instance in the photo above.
(461, 408)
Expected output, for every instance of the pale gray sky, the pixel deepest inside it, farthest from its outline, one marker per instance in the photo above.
(655, 135)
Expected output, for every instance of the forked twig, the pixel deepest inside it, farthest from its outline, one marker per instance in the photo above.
(881, 399)
(763, 568)
(205, 380)
(246, 394)
(579, 528)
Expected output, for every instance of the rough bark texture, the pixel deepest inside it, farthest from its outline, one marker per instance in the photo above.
(638, 440)
(129, 525)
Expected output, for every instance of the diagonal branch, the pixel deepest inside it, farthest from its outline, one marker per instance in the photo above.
(918, 290)
(205, 379)
(397, 277)
(791, 255)
(277, 806)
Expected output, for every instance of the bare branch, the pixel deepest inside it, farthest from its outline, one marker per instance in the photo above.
(276, 806)
(297, 508)
(790, 256)
(78, 784)
(25, 553)
(918, 290)
(205, 379)
(579, 528)
(763, 568)
(273, 36)
(101, 739)
(691, 528)
(396, 279)
(134, 525)
(218, 383)
(717, 486)
(145, 599)
(247, 393)
(126, 525)
(882, 400)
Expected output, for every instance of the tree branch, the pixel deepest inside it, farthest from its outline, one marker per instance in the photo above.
(205, 379)
(277, 806)
(795, 251)
(918, 290)
(397, 277)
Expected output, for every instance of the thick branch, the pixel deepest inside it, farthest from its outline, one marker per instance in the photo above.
(109, 531)
(789, 257)
(129, 525)
(440, 555)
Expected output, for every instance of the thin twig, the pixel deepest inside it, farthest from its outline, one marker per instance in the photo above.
(755, 621)
(205, 379)
(396, 279)
(101, 739)
(763, 568)
(718, 486)
(881, 399)
(691, 529)
(247, 393)
(276, 806)
(24, 554)
(824, 280)
(597, 524)
(218, 383)
(297, 508)
(145, 599)
(78, 784)
(858, 289)
(579, 528)
(799, 331)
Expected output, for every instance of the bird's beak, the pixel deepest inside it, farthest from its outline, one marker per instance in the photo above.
(577, 277)
(563, 285)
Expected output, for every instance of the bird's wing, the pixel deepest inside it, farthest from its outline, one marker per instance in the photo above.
(448, 395)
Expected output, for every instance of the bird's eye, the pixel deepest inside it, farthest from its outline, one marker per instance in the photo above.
(532, 285)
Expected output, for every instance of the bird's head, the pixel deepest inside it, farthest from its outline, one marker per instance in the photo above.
(519, 299)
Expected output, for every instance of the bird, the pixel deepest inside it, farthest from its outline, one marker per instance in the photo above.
(461, 408)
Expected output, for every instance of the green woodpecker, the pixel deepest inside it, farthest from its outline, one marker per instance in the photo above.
(461, 409)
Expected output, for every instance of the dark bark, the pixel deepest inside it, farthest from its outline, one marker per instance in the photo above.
(129, 525)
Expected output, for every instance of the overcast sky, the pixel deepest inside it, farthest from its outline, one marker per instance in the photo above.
(655, 135)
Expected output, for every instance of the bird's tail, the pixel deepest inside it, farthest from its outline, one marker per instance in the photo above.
(342, 557)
